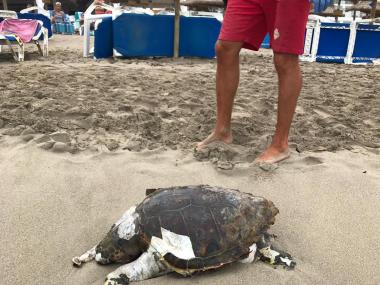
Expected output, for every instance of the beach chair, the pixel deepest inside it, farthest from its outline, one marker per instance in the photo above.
(15, 33)
(39, 8)
(36, 16)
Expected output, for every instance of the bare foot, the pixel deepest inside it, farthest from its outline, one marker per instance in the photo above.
(273, 155)
(215, 137)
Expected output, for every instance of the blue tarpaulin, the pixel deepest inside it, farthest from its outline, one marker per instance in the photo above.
(198, 36)
(103, 43)
(367, 44)
(140, 35)
(333, 42)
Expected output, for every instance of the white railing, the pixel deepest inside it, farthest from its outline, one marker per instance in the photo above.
(313, 31)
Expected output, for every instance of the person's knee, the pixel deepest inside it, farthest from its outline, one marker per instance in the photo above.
(225, 50)
(285, 62)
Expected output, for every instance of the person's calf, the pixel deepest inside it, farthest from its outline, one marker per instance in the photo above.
(286, 63)
(290, 82)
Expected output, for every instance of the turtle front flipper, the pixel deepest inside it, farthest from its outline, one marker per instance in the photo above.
(85, 257)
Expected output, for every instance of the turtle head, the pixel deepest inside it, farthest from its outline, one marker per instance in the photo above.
(122, 243)
(115, 249)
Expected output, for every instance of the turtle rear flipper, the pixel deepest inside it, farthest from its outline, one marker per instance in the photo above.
(272, 255)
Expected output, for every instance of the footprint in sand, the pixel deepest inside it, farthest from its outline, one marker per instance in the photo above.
(56, 142)
(321, 113)
(311, 160)
(217, 152)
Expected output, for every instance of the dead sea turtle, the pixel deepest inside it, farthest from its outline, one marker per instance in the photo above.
(187, 229)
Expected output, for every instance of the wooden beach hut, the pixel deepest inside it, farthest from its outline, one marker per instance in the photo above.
(15, 5)
(69, 6)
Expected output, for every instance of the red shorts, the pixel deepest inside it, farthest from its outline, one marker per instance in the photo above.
(248, 21)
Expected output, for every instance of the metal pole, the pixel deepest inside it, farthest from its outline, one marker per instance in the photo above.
(5, 5)
(338, 10)
(354, 4)
(373, 11)
(176, 28)
(339, 4)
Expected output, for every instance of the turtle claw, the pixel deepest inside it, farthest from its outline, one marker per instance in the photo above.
(76, 262)
(286, 261)
(122, 279)
(292, 265)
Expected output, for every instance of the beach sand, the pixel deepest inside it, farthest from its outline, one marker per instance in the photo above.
(81, 140)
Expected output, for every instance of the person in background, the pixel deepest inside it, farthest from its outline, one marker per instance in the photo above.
(58, 16)
(99, 10)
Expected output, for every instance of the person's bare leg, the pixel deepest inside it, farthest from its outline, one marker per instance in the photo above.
(227, 81)
(290, 84)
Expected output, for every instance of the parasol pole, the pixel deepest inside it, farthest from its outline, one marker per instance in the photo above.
(5, 5)
(177, 15)
(373, 11)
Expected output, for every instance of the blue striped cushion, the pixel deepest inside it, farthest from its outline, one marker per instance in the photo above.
(10, 37)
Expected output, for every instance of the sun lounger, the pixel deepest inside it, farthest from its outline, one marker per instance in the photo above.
(18, 32)
(40, 17)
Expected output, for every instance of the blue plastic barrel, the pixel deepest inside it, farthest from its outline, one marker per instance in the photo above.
(69, 28)
(59, 28)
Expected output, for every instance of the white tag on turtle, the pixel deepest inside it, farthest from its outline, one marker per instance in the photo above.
(173, 243)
